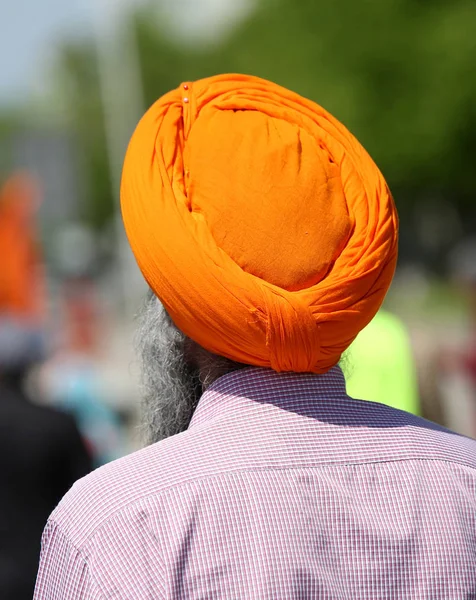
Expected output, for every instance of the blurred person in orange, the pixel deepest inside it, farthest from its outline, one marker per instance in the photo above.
(21, 280)
(41, 451)
(268, 237)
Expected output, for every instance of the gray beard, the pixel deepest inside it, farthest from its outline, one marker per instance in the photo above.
(170, 385)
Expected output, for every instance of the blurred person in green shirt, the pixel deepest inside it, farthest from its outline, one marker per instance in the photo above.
(381, 365)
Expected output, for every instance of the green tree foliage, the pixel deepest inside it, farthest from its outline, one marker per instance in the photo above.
(79, 79)
(398, 73)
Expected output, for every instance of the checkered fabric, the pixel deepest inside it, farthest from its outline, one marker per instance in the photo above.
(283, 488)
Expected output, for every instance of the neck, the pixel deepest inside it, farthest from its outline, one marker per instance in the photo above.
(209, 366)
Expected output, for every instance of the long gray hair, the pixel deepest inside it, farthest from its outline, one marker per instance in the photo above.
(175, 371)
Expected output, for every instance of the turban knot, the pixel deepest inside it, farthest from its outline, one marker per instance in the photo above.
(261, 223)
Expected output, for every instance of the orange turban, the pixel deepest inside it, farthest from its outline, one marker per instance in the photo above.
(260, 222)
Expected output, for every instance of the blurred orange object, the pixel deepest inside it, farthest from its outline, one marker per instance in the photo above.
(21, 270)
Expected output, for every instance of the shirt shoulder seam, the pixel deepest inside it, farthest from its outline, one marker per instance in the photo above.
(228, 473)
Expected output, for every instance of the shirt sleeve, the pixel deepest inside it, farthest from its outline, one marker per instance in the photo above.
(63, 573)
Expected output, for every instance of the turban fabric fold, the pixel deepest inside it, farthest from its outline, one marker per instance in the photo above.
(260, 222)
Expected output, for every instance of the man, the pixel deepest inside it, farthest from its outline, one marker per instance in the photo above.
(41, 451)
(270, 237)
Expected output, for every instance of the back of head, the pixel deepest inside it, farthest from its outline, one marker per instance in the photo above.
(259, 221)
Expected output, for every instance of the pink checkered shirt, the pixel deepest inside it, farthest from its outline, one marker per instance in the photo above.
(283, 487)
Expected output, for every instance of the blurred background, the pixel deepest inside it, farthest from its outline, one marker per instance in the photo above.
(76, 76)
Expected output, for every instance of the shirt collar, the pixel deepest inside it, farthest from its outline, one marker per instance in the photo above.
(304, 393)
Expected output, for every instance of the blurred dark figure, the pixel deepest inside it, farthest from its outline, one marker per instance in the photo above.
(41, 456)
(41, 451)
